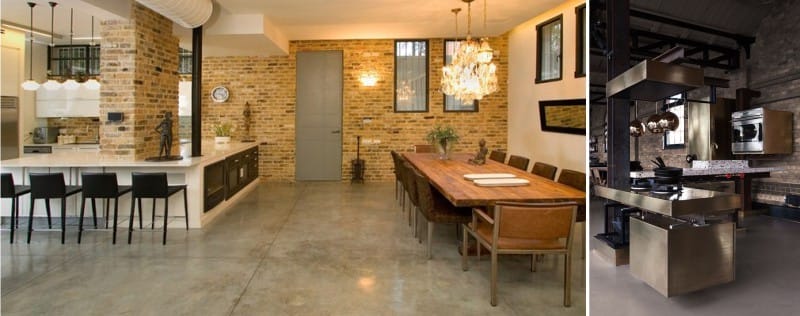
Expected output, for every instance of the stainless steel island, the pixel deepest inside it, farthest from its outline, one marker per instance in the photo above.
(681, 242)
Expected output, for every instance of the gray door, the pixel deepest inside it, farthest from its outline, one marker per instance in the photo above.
(318, 120)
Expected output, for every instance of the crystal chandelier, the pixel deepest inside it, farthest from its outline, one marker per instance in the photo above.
(472, 74)
(404, 92)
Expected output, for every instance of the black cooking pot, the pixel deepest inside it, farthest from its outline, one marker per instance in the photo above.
(668, 175)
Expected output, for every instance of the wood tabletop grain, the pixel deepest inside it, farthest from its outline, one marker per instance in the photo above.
(448, 177)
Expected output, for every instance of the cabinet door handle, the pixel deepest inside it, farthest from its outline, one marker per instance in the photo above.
(336, 132)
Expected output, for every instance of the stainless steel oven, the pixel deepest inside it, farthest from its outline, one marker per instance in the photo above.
(761, 131)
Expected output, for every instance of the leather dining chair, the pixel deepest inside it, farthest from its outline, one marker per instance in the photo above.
(13, 192)
(577, 179)
(407, 174)
(523, 228)
(519, 162)
(154, 186)
(544, 170)
(499, 156)
(399, 191)
(101, 186)
(436, 209)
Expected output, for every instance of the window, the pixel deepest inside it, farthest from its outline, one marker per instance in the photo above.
(82, 59)
(548, 50)
(676, 139)
(411, 76)
(580, 38)
(184, 61)
(451, 104)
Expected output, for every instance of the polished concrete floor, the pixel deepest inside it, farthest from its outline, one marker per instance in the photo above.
(767, 278)
(284, 249)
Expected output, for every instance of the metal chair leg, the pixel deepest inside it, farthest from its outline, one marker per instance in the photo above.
(114, 234)
(130, 223)
(493, 281)
(153, 216)
(166, 215)
(186, 208)
(430, 236)
(567, 279)
(140, 212)
(80, 219)
(464, 250)
(30, 220)
(47, 206)
(63, 219)
(13, 223)
(94, 213)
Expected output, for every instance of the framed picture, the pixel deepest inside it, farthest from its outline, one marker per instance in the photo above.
(563, 116)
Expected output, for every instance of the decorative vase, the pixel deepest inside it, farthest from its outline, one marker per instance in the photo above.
(443, 147)
(222, 139)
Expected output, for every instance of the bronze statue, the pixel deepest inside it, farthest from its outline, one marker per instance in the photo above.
(165, 129)
(480, 157)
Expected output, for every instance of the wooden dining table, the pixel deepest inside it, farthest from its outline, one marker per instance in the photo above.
(447, 176)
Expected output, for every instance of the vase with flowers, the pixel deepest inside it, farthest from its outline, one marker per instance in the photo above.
(443, 138)
(222, 133)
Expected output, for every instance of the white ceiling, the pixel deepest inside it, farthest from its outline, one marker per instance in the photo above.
(280, 21)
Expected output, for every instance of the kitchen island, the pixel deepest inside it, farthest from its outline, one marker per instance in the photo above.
(680, 242)
(234, 167)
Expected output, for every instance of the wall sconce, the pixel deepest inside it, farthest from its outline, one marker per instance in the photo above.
(369, 78)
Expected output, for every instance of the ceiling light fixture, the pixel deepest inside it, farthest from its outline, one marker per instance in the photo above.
(30, 85)
(71, 84)
(92, 83)
(51, 84)
(471, 75)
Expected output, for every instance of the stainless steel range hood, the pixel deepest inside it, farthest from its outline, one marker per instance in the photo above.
(653, 80)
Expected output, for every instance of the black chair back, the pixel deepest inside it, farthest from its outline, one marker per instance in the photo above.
(99, 185)
(47, 185)
(7, 185)
(519, 162)
(545, 170)
(499, 156)
(149, 185)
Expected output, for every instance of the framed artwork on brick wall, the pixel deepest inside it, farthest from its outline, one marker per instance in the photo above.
(563, 116)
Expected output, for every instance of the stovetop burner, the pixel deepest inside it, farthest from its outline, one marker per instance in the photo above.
(666, 188)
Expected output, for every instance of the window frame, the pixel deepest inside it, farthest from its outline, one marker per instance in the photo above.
(475, 103)
(427, 75)
(559, 18)
(580, 41)
(670, 103)
(87, 59)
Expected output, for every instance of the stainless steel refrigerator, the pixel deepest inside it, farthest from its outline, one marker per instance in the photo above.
(9, 133)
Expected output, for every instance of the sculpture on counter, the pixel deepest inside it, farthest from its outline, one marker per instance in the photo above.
(164, 129)
(480, 157)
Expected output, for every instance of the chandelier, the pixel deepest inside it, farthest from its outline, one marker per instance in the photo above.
(472, 74)
(404, 92)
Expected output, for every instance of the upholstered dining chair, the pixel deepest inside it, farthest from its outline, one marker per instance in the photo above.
(399, 191)
(499, 156)
(436, 209)
(410, 184)
(12, 191)
(519, 162)
(523, 228)
(576, 179)
(544, 170)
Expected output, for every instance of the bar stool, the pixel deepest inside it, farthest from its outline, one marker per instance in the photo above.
(50, 186)
(10, 191)
(154, 186)
(101, 186)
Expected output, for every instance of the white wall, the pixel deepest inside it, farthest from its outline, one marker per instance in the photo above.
(525, 136)
(27, 117)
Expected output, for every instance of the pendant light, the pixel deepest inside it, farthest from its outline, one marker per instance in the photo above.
(653, 123)
(52, 84)
(92, 83)
(30, 85)
(71, 84)
(636, 126)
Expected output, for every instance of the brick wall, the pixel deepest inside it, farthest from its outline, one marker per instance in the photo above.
(268, 84)
(138, 66)
(774, 70)
(84, 129)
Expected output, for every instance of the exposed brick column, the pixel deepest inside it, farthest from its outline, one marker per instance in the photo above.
(139, 74)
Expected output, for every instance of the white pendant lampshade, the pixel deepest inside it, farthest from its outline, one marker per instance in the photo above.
(92, 84)
(71, 84)
(187, 13)
(51, 85)
(30, 85)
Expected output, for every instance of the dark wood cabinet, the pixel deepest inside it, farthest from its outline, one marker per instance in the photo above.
(214, 185)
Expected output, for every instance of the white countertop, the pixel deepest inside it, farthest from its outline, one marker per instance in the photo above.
(706, 171)
(211, 152)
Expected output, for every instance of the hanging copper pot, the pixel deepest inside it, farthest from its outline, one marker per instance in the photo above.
(669, 121)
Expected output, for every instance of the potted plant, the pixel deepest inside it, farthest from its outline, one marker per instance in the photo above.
(443, 138)
(222, 133)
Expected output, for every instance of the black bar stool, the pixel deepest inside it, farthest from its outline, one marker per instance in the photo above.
(50, 186)
(154, 186)
(10, 191)
(101, 186)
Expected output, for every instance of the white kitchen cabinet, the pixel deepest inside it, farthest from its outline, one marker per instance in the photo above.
(68, 103)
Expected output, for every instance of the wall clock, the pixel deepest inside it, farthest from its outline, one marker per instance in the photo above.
(220, 94)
